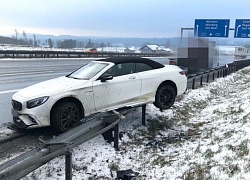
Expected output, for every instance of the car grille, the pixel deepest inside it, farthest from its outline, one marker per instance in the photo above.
(16, 105)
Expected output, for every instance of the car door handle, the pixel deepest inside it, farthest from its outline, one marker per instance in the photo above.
(132, 77)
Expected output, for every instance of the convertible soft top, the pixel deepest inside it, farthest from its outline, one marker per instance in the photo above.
(118, 60)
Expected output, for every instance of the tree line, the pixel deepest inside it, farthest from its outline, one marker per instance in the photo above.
(22, 39)
(71, 43)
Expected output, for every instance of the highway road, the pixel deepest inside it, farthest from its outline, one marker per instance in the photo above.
(16, 74)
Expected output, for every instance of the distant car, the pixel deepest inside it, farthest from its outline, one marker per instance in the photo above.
(93, 50)
(172, 62)
(98, 86)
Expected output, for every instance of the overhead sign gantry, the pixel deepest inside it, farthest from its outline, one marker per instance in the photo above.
(211, 27)
(242, 28)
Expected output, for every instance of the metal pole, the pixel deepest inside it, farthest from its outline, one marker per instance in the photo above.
(68, 166)
(144, 115)
(116, 137)
(193, 84)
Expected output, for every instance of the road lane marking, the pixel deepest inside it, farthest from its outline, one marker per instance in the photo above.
(9, 91)
(25, 73)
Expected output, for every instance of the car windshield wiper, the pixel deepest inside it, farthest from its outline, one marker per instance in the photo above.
(77, 78)
(72, 77)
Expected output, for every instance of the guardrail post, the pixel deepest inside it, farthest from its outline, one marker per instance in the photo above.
(201, 80)
(68, 166)
(226, 71)
(116, 137)
(193, 84)
(218, 73)
(144, 115)
(207, 77)
(213, 75)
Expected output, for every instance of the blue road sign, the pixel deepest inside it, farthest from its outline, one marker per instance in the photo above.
(242, 28)
(211, 27)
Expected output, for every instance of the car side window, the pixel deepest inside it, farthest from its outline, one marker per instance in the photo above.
(121, 69)
(140, 67)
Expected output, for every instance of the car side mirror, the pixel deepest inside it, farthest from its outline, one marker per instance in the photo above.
(106, 77)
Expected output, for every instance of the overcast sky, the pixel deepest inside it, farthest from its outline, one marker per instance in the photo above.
(114, 18)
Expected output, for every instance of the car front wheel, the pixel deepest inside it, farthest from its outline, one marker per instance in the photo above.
(165, 97)
(65, 117)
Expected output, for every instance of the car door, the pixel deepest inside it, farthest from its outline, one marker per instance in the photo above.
(150, 81)
(122, 90)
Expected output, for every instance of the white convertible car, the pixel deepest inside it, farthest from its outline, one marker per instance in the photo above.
(98, 86)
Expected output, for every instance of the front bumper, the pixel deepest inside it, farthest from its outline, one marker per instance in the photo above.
(22, 121)
(19, 123)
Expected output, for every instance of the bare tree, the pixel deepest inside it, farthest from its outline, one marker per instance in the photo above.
(102, 45)
(16, 32)
(59, 43)
(25, 37)
(89, 44)
(30, 42)
(34, 40)
(50, 42)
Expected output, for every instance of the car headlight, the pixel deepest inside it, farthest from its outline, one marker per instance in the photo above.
(36, 102)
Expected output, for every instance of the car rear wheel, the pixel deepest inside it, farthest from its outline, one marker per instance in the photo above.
(165, 97)
(65, 116)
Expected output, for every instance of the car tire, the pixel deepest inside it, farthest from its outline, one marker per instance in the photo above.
(165, 97)
(65, 116)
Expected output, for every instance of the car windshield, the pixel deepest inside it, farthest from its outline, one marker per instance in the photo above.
(88, 71)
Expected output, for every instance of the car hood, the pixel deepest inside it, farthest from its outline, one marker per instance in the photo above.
(52, 86)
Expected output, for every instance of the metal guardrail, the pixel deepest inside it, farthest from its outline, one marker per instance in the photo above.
(58, 146)
(70, 54)
(199, 78)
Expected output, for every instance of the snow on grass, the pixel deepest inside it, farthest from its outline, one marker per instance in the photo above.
(212, 129)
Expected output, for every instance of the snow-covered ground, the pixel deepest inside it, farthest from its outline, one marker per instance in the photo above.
(115, 49)
(222, 49)
(206, 135)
